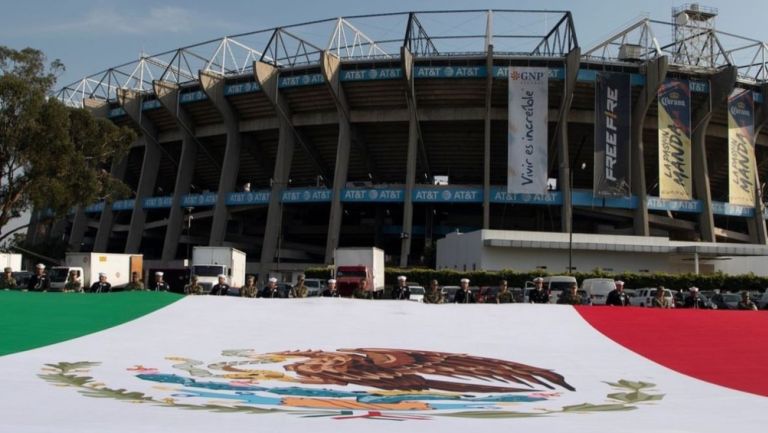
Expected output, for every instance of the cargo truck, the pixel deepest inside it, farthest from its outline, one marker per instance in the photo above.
(210, 262)
(12, 261)
(355, 264)
(118, 268)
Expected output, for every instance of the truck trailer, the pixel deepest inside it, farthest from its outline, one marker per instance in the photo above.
(118, 268)
(355, 264)
(210, 262)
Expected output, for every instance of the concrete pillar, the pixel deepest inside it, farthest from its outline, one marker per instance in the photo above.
(330, 67)
(168, 95)
(411, 157)
(487, 141)
(267, 77)
(756, 225)
(79, 225)
(131, 103)
(655, 73)
(213, 86)
(100, 108)
(720, 86)
(572, 61)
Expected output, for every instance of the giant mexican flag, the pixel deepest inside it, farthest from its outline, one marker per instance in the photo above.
(146, 362)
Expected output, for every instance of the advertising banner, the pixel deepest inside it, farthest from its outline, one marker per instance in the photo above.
(675, 172)
(741, 150)
(613, 114)
(527, 131)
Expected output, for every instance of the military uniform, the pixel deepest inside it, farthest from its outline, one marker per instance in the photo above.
(299, 291)
(138, 285)
(8, 283)
(193, 289)
(617, 298)
(538, 297)
(160, 286)
(249, 291)
(657, 302)
(73, 286)
(40, 283)
(99, 287)
(328, 293)
(433, 297)
(219, 289)
(746, 305)
(464, 297)
(401, 292)
(569, 298)
(269, 292)
(505, 297)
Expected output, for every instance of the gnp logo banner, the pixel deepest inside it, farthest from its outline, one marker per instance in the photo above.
(527, 133)
(675, 140)
(612, 135)
(741, 150)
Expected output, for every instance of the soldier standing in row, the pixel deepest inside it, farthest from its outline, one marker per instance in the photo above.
(401, 291)
(299, 290)
(617, 296)
(746, 303)
(571, 297)
(249, 290)
(270, 290)
(102, 285)
(135, 284)
(434, 295)
(659, 300)
(504, 296)
(7, 282)
(193, 288)
(39, 281)
(331, 291)
(159, 285)
(464, 295)
(222, 288)
(73, 283)
(538, 295)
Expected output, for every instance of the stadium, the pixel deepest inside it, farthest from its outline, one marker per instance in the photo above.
(393, 130)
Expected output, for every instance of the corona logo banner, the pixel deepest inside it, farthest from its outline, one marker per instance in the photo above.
(613, 98)
(675, 171)
(741, 149)
(527, 130)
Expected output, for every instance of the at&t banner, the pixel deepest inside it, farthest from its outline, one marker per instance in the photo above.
(527, 133)
(741, 151)
(612, 121)
(675, 172)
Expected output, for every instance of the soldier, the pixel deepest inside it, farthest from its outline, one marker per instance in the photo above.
(39, 281)
(249, 290)
(135, 283)
(193, 288)
(299, 290)
(102, 285)
(434, 295)
(270, 290)
(401, 291)
(331, 291)
(7, 282)
(504, 296)
(222, 288)
(746, 303)
(659, 300)
(538, 295)
(617, 296)
(73, 283)
(571, 297)
(464, 295)
(159, 285)
(362, 292)
(694, 299)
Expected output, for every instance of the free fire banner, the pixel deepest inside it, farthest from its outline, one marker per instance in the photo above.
(741, 150)
(675, 171)
(612, 134)
(527, 130)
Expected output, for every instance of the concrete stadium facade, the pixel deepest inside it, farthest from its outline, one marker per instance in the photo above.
(301, 147)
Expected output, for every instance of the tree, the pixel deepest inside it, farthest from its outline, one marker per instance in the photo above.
(52, 157)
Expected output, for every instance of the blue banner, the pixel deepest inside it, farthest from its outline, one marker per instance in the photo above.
(150, 104)
(187, 97)
(307, 195)
(499, 194)
(116, 112)
(447, 195)
(300, 80)
(449, 71)
(248, 198)
(372, 74)
(123, 204)
(158, 202)
(373, 195)
(94, 208)
(586, 199)
(689, 206)
(206, 199)
(727, 209)
(240, 88)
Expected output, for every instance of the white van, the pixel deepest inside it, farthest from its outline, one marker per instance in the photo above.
(598, 289)
(556, 285)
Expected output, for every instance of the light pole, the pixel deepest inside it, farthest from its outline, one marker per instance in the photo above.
(189, 232)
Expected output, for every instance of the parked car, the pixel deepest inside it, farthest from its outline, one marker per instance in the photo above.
(488, 294)
(644, 297)
(763, 302)
(449, 292)
(598, 289)
(726, 301)
(22, 278)
(315, 286)
(417, 293)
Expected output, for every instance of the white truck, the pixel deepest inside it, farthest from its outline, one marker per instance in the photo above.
(355, 264)
(118, 268)
(12, 261)
(210, 262)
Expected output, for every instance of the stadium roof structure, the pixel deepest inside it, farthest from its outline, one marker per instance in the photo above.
(427, 35)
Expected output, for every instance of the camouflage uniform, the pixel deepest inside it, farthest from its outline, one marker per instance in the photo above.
(505, 297)
(134, 286)
(433, 297)
(569, 298)
(73, 286)
(193, 289)
(746, 305)
(299, 291)
(249, 291)
(8, 283)
(657, 302)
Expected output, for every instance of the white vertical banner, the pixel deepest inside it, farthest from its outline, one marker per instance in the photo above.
(527, 130)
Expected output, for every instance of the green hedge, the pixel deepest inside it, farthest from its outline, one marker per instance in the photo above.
(632, 280)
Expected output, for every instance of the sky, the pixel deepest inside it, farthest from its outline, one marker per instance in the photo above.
(89, 36)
